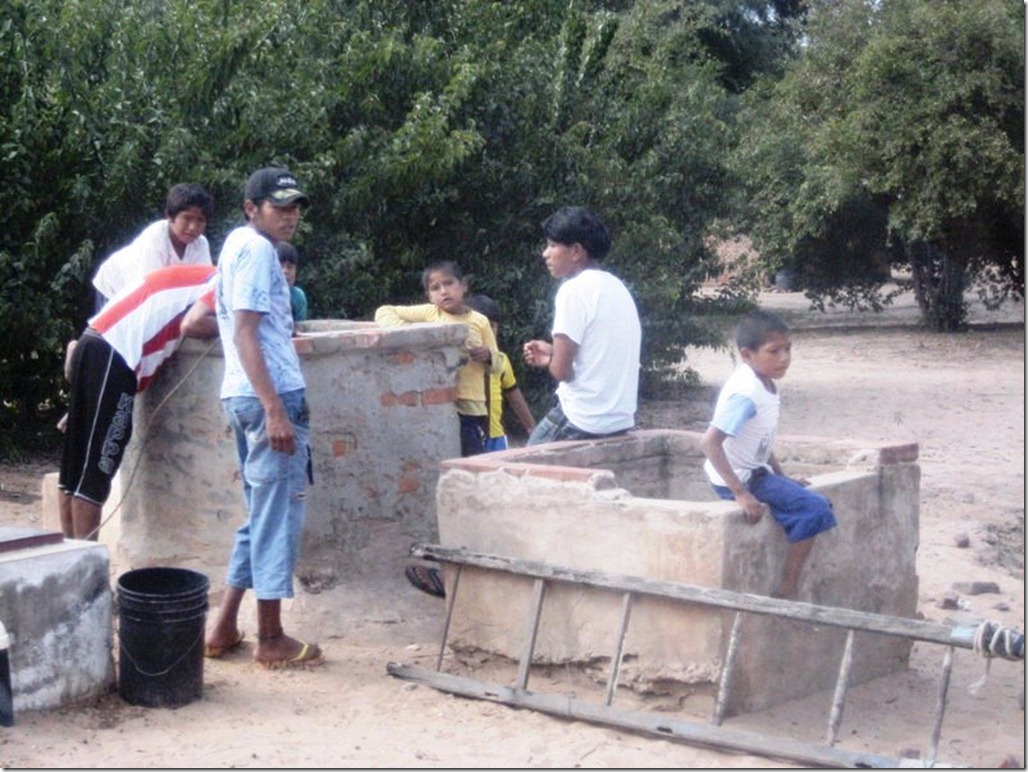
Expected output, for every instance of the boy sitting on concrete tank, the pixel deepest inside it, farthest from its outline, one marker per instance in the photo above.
(741, 464)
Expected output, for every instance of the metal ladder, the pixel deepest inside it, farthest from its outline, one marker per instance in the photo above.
(712, 735)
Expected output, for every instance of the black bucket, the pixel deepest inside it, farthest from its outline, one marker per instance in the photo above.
(162, 615)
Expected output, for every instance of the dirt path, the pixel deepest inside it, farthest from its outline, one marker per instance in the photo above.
(960, 397)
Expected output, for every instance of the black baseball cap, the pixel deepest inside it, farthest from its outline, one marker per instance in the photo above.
(275, 184)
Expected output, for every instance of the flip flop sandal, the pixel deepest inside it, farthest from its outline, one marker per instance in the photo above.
(214, 652)
(426, 579)
(310, 656)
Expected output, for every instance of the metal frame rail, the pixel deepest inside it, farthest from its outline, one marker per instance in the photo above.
(660, 725)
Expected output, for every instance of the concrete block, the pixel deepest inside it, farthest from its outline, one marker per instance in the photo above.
(616, 505)
(56, 603)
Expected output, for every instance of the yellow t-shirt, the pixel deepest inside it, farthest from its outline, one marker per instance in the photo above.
(471, 376)
(497, 385)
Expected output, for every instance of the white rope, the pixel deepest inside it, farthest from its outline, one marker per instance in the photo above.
(992, 639)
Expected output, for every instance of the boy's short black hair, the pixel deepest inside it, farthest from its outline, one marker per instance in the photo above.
(186, 195)
(486, 306)
(756, 327)
(578, 225)
(287, 253)
(440, 266)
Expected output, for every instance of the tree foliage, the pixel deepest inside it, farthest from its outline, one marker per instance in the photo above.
(420, 130)
(453, 128)
(909, 108)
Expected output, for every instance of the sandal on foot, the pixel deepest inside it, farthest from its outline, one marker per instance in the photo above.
(310, 655)
(426, 579)
(214, 652)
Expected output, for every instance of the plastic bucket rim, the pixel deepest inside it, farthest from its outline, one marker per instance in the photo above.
(199, 583)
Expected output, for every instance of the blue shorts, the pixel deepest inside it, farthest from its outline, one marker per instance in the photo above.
(496, 443)
(803, 513)
(275, 491)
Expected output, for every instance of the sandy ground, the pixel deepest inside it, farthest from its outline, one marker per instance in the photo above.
(877, 378)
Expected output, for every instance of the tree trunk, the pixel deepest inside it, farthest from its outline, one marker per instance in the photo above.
(939, 283)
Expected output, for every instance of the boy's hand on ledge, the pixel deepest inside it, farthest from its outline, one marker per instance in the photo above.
(752, 509)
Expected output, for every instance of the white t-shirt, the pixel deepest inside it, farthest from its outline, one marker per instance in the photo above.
(150, 250)
(748, 413)
(596, 311)
(251, 279)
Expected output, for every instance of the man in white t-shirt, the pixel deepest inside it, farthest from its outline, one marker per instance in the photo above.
(176, 240)
(596, 335)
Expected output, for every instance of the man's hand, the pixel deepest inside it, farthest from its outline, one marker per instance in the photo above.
(280, 431)
(538, 353)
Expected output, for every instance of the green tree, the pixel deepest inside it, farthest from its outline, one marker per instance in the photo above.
(421, 130)
(910, 107)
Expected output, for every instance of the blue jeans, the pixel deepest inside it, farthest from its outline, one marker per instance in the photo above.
(555, 427)
(803, 513)
(275, 491)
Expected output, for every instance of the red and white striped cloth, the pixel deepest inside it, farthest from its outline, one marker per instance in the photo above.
(143, 321)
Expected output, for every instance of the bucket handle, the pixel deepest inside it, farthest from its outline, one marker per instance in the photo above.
(124, 649)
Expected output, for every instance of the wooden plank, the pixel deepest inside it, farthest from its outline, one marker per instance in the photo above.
(615, 662)
(940, 705)
(841, 685)
(16, 537)
(962, 637)
(534, 614)
(725, 685)
(449, 617)
(655, 725)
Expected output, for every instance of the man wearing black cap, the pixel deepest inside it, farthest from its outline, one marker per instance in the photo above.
(263, 395)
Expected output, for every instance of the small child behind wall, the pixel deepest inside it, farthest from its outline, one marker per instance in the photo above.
(503, 387)
(738, 444)
(289, 259)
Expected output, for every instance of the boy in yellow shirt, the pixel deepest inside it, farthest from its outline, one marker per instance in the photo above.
(445, 288)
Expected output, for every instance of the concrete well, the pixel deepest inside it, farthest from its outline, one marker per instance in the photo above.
(640, 505)
(382, 418)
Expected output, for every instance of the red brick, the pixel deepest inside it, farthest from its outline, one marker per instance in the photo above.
(344, 445)
(303, 345)
(391, 399)
(439, 396)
